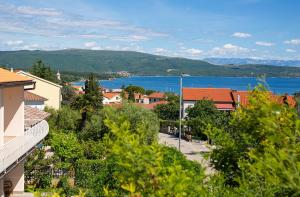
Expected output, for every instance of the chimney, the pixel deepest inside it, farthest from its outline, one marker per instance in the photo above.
(238, 100)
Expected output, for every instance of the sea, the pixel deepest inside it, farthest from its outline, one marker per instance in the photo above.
(277, 85)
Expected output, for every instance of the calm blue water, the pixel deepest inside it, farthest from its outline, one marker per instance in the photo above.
(171, 84)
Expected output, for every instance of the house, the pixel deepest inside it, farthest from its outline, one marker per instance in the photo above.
(47, 89)
(156, 96)
(111, 97)
(78, 89)
(16, 139)
(140, 98)
(226, 99)
(34, 100)
(222, 97)
(151, 106)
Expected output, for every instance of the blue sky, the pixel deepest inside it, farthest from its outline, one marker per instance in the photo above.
(267, 29)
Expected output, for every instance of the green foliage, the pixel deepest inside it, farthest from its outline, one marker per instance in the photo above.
(205, 113)
(139, 118)
(67, 147)
(148, 169)
(90, 102)
(37, 169)
(41, 70)
(135, 89)
(64, 119)
(148, 92)
(68, 94)
(260, 151)
(169, 111)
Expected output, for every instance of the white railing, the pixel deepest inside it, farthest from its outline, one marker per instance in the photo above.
(17, 148)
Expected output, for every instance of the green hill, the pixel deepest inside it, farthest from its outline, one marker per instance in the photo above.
(78, 60)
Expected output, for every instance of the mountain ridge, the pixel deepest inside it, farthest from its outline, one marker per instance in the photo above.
(137, 63)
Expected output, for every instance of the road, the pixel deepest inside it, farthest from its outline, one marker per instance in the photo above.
(192, 150)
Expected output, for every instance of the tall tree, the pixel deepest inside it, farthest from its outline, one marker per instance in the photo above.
(89, 102)
(41, 70)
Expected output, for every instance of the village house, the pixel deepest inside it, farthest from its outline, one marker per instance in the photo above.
(225, 99)
(34, 100)
(47, 89)
(140, 98)
(156, 96)
(111, 97)
(19, 132)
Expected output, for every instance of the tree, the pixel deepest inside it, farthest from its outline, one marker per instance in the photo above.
(68, 94)
(205, 113)
(41, 70)
(169, 111)
(135, 89)
(89, 102)
(257, 152)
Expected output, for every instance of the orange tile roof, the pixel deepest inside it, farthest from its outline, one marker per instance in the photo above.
(243, 97)
(7, 77)
(110, 95)
(224, 106)
(158, 95)
(29, 96)
(151, 106)
(215, 94)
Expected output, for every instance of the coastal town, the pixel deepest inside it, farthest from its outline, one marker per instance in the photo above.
(26, 100)
(156, 98)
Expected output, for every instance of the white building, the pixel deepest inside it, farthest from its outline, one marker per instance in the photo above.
(16, 140)
(34, 101)
(111, 97)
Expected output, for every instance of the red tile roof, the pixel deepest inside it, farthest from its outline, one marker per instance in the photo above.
(158, 95)
(224, 106)
(110, 95)
(215, 94)
(29, 96)
(243, 97)
(151, 106)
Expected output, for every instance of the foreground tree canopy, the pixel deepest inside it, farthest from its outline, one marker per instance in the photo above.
(117, 153)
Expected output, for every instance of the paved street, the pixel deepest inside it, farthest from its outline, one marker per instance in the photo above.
(192, 150)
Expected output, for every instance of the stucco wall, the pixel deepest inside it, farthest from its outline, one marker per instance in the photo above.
(48, 91)
(13, 100)
(1, 121)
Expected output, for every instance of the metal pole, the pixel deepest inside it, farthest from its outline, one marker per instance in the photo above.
(180, 112)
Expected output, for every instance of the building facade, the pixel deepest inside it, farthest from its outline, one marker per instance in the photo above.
(16, 141)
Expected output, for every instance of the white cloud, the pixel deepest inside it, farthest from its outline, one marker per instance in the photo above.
(160, 50)
(265, 44)
(193, 52)
(27, 10)
(293, 41)
(241, 35)
(290, 50)
(30, 47)
(228, 50)
(14, 42)
(90, 44)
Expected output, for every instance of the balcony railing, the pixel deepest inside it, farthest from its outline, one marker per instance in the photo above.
(17, 149)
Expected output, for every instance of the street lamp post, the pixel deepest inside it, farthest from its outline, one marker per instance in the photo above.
(180, 112)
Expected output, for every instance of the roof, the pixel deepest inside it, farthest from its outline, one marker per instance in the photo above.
(158, 95)
(34, 116)
(38, 78)
(10, 78)
(29, 96)
(243, 100)
(224, 106)
(151, 106)
(215, 94)
(110, 95)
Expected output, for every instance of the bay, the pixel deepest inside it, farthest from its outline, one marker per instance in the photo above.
(171, 83)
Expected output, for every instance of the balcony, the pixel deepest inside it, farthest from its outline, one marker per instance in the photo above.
(16, 148)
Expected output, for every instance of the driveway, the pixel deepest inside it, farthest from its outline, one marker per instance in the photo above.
(192, 150)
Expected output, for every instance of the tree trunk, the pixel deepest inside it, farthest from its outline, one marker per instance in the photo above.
(83, 120)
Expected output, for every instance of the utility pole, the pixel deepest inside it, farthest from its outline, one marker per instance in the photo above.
(180, 112)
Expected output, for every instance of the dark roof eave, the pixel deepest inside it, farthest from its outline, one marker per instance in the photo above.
(17, 83)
